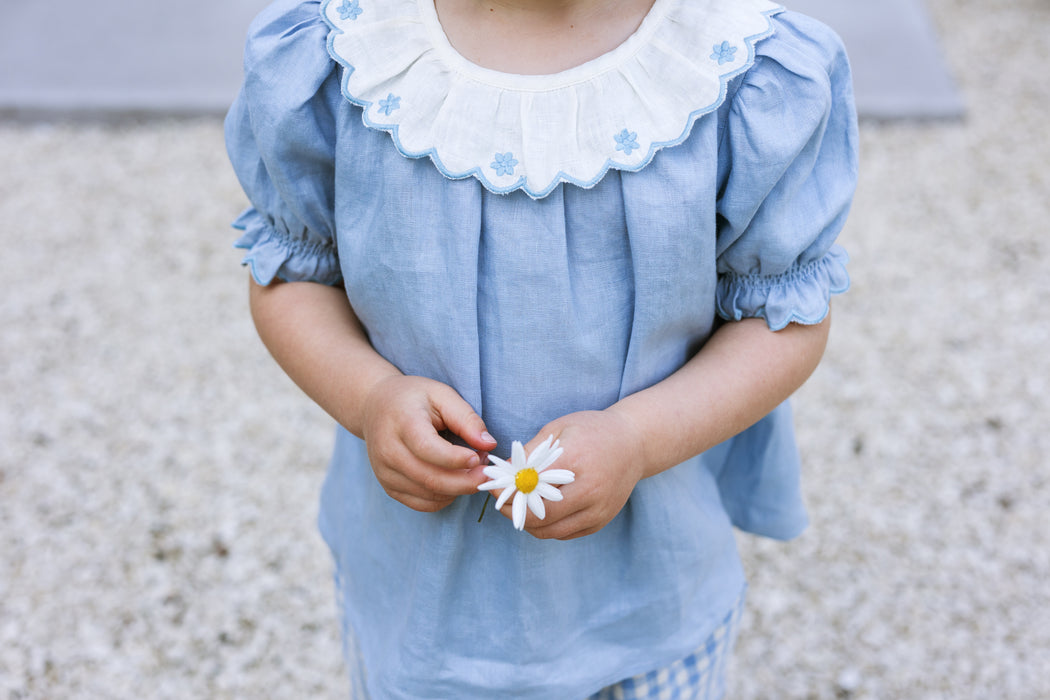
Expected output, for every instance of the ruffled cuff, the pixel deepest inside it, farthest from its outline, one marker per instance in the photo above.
(273, 252)
(800, 295)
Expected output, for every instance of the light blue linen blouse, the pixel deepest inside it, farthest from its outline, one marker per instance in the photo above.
(535, 308)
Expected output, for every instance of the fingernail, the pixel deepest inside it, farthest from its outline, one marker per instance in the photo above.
(488, 438)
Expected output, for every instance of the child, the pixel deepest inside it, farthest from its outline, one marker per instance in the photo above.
(621, 235)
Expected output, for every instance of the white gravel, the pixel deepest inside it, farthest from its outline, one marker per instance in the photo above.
(158, 474)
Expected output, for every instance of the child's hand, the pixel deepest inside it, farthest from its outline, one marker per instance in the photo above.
(603, 450)
(413, 463)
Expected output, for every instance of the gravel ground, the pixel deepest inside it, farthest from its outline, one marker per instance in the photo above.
(158, 474)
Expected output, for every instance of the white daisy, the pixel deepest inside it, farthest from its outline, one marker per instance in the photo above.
(527, 479)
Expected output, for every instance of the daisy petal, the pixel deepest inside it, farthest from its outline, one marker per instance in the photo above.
(541, 451)
(500, 483)
(548, 492)
(557, 476)
(497, 462)
(518, 510)
(507, 493)
(536, 505)
(517, 456)
(550, 459)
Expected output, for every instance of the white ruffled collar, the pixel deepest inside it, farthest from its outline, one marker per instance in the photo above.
(532, 132)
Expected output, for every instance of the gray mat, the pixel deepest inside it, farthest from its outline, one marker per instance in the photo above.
(68, 56)
(897, 66)
(154, 56)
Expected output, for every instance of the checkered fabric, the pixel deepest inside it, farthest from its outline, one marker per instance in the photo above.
(699, 676)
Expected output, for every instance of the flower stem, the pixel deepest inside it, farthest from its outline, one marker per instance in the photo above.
(484, 506)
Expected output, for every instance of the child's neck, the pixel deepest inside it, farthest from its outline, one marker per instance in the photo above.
(537, 37)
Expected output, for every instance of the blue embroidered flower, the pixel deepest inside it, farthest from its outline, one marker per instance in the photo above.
(626, 141)
(350, 9)
(723, 53)
(504, 164)
(389, 104)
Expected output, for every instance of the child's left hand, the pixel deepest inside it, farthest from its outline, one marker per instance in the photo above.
(605, 452)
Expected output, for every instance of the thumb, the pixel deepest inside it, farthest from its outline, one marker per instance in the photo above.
(458, 417)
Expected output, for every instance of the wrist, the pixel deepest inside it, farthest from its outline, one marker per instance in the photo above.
(373, 390)
(633, 442)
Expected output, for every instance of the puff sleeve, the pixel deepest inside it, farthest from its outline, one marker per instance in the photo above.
(787, 173)
(280, 137)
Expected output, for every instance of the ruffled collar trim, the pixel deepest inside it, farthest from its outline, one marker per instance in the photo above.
(533, 132)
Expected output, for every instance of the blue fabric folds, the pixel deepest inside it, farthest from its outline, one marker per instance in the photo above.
(279, 136)
(800, 295)
(788, 170)
(278, 253)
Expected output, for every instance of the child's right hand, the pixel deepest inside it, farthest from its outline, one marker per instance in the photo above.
(416, 466)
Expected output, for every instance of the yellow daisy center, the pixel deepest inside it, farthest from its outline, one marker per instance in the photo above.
(526, 480)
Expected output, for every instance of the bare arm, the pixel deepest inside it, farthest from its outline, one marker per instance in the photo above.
(313, 333)
(315, 337)
(742, 373)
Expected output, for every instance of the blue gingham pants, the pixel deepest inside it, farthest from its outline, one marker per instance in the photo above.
(699, 676)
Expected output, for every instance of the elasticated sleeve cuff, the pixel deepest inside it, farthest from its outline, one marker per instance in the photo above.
(273, 251)
(802, 294)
